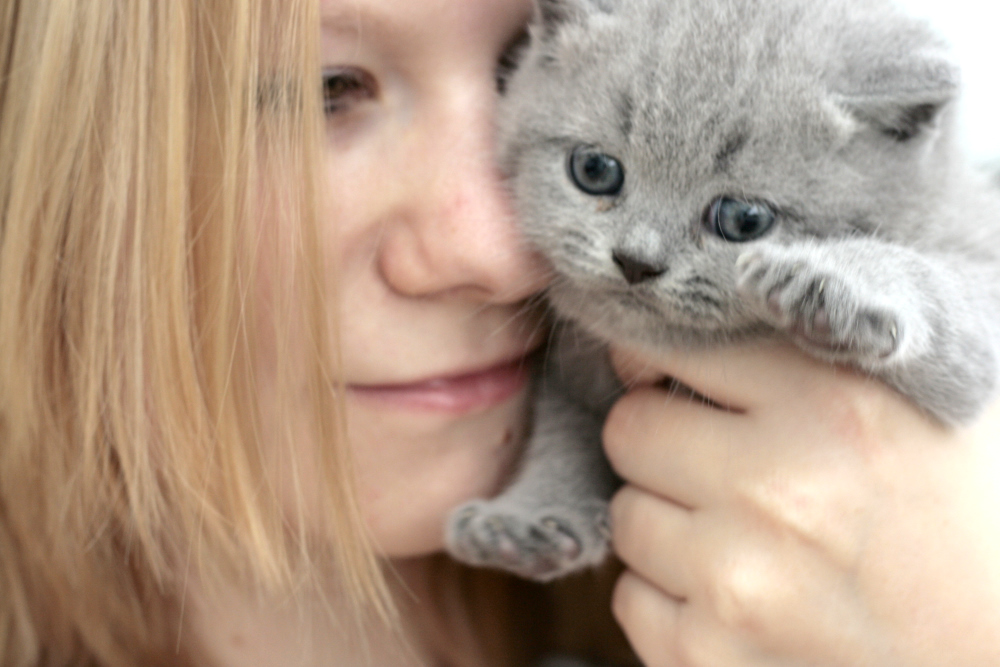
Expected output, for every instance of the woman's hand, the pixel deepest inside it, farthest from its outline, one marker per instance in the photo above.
(820, 520)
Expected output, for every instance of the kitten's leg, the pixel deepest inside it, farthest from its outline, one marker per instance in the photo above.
(907, 317)
(552, 519)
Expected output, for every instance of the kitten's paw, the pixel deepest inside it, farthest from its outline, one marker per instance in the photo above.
(540, 545)
(819, 306)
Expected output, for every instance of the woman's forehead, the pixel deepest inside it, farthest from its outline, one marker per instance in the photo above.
(382, 17)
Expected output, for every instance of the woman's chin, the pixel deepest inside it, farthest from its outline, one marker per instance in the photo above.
(412, 481)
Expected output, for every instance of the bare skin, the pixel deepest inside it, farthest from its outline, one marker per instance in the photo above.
(433, 325)
(819, 520)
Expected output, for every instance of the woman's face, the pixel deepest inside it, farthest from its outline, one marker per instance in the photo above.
(432, 274)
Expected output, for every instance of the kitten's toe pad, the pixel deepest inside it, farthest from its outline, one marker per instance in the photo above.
(542, 544)
(821, 309)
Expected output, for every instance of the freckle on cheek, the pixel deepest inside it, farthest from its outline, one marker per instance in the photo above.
(457, 206)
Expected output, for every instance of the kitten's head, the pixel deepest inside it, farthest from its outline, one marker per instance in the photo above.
(649, 141)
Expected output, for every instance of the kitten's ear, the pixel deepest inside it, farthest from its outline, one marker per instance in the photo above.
(552, 14)
(900, 96)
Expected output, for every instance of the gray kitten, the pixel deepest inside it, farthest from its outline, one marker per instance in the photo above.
(705, 171)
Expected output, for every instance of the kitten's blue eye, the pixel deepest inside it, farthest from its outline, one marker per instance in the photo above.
(595, 173)
(740, 221)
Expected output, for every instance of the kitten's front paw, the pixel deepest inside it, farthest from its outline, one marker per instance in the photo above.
(819, 306)
(536, 545)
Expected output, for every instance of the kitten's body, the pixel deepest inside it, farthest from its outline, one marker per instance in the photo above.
(831, 121)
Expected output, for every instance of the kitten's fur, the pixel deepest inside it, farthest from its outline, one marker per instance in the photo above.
(838, 114)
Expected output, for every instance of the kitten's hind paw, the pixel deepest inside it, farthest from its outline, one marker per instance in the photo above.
(819, 306)
(540, 545)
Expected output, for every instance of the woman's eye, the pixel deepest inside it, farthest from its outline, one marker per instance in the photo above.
(344, 86)
(740, 221)
(596, 173)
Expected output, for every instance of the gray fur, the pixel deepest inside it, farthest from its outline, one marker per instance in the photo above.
(552, 519)
(838, 114)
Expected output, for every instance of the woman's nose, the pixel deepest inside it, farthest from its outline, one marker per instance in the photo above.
(454, 230)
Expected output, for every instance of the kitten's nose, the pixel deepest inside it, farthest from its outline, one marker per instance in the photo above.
(637, 270)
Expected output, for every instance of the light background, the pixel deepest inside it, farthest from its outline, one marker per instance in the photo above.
(973, 28)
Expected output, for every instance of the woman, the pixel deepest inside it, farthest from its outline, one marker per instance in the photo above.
(252, 356)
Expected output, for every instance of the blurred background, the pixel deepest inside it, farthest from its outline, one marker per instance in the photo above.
(973, 28)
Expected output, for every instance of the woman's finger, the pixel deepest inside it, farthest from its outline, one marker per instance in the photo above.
(654, 538)
(650, 619)
(738, 377)
(671, 446)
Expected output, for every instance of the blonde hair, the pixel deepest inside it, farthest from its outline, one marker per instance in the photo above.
(133, 134)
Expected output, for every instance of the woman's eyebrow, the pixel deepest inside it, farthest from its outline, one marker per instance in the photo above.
(355, 18)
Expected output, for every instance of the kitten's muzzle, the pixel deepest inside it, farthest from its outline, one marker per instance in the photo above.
(637, 270)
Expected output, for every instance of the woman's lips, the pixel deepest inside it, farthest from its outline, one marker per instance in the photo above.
(456, 394)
